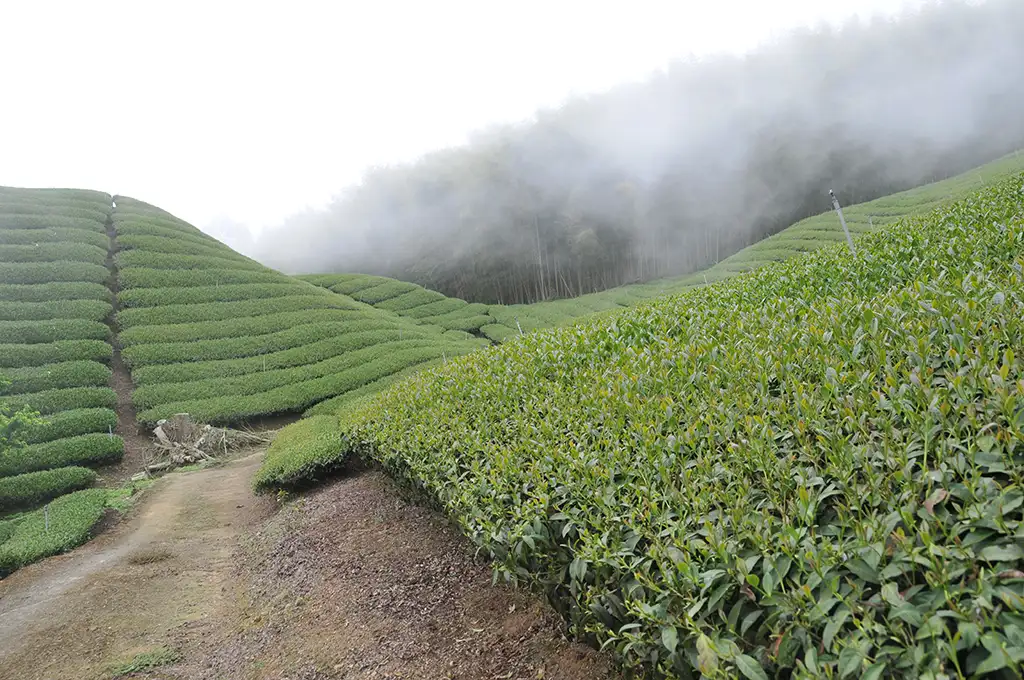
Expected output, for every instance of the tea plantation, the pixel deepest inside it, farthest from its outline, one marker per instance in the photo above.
(502, 322)
(54, 355)
(809, 470)
(209, 332)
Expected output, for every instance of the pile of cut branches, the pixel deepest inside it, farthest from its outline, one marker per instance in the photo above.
(182, 441)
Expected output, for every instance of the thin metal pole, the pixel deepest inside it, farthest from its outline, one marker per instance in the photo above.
(842, 220)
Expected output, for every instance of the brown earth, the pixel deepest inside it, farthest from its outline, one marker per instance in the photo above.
(350, 581)
(136, 439)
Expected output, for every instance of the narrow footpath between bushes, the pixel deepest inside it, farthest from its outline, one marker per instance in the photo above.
(349, 581)
(135, 441)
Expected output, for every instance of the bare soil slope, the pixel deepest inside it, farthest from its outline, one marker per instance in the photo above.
(347, 582)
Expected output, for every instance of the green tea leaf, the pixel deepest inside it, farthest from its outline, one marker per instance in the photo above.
(750, 668)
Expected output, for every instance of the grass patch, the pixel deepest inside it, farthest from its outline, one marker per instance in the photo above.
(144, 661)
(150, 556)
(125, 496)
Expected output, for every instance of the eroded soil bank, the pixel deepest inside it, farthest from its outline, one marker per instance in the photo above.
(349, 581)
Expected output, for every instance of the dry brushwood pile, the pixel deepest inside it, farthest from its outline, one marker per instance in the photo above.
(182, 441)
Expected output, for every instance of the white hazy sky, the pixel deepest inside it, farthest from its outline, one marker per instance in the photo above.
(253, 110)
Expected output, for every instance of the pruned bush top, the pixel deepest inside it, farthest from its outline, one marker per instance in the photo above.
(813, 470)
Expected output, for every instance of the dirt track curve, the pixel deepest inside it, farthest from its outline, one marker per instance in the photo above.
(349, 581)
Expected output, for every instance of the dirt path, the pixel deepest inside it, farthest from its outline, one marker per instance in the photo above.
(347, 582)
(135, 441)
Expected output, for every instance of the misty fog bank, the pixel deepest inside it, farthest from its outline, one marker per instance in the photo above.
(670, 175)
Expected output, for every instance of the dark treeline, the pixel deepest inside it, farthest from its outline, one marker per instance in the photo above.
(672, 174)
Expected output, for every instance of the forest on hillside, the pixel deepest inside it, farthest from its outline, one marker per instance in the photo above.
(673, 174)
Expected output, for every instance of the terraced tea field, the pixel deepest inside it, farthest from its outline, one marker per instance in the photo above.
(209, 332)
(502, 322)
(55, 351)
(808, 470)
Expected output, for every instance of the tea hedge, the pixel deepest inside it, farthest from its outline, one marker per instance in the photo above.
(417, 297)
(28, 237)
(145, 259)
(295, 396)
(92, 310)
(54, 252)
(73, 423)
(6, 529)
(235, 327)
(215, 334)
(54, 302)
(11, 222)
(35, 488)
(147, 277)
(303, 453)
(154, 297)
(151, 395)
(55, 376)
(175, 246)
(425, 307)
(384, 291)
(246, 346)
(320, 350)
(211, 311)
(334, 405)
(439, 308)
(44, 209)
(53, 297)
(86, 450)
(52, 330)
(812, 470)
(48, 272)
(54, 352)
(48, 292)
(53, 401)
(71, 519)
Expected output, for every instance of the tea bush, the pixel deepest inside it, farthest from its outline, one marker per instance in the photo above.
(145, 259)
(92, 310)
(26, 237)
(10, 222)
(54, 302)
(52, 330)
(35, 488)
(66, 399)
(73, 423)
(54, 352)
(211, 311)
(245, 326)
(314, 352)
(53, 252)
(812, 470)
(212, 333)
(303, 452)
(71, 520)
(148, 396)
(55, 376)
(48, 292)
(294, 396)
(245, 346)
(88, 449)
(48, 272)
(154, 297)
